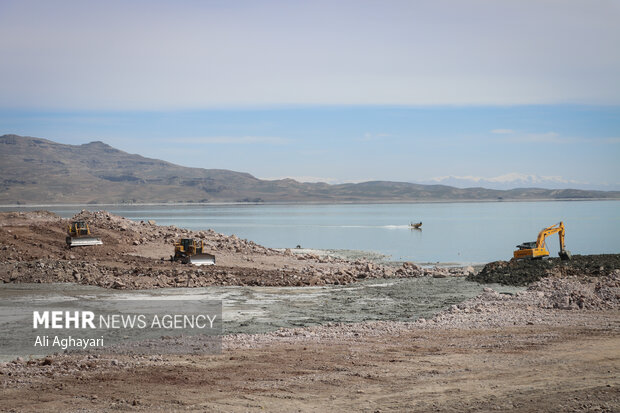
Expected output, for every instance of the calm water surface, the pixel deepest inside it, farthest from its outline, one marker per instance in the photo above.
(451, 232)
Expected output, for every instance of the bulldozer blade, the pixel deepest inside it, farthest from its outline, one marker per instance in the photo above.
(202, 259)
(83, 241)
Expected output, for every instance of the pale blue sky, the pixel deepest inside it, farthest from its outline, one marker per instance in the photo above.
(336, 91)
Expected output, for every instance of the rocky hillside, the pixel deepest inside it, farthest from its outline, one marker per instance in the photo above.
(39, 171)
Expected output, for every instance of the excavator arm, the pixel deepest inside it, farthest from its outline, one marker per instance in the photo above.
(557, 228)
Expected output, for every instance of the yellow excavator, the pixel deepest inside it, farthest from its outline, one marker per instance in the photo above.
(191, 251)
(78, 235)
(538, 249)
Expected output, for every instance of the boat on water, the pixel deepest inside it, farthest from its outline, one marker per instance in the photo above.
(416, 225)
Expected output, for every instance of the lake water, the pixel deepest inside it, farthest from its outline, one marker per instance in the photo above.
(451, 232)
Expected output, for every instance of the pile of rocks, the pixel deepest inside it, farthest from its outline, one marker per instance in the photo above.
(534, 305)
(580, 293)
(148, 231)
(525, 272)
(136, 274)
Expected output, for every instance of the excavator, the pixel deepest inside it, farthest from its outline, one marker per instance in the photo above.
(78, 235)
(537, 249)
(191, 251)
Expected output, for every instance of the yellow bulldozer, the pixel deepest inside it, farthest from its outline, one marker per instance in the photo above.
(538, 249)
(191, 251)
(78, 235)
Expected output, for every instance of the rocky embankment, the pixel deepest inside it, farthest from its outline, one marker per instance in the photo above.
(136, 255)
(525, 272)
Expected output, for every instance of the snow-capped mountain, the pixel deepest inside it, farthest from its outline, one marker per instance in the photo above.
(516, 180)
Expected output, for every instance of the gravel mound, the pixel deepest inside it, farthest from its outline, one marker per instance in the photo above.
(572, 293)
(525, 272)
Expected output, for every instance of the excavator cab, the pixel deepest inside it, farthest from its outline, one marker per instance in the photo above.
(527, 245)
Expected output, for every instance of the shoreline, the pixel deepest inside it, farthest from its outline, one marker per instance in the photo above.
(369, 202)
(377, 257)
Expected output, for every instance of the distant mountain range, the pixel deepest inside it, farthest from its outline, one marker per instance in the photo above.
(39, 171)
(515, 180)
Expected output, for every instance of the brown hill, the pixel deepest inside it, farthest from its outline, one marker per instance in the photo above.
(39, 171)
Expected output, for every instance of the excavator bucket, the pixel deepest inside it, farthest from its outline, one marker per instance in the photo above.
(565, 255)
(83, 241)
(202, 259)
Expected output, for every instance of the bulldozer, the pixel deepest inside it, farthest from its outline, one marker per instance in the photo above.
(78, 235)
(191, 251)
(537, 249)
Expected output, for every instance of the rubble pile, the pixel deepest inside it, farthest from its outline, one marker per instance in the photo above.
(544, 302)
(579, 293)
(148, 231)
(525, 272)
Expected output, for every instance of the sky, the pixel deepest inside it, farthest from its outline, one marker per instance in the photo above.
(334, 91)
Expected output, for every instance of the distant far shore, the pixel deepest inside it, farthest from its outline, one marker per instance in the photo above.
(460, 201)
(37, 171)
